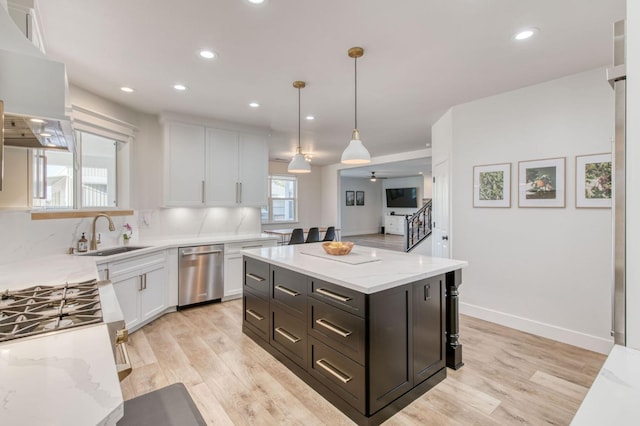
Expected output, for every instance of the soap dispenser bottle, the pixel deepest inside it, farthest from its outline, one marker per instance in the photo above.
(82, 244)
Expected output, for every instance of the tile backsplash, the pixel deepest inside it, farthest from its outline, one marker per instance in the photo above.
(22, 237)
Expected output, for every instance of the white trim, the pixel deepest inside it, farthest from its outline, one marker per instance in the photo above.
(564, 335)
(99, 124)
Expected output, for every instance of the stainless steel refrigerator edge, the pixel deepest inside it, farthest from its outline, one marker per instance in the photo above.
(617, 76)
(200, 274)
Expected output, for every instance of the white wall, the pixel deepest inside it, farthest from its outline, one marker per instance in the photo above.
(546, 271)
(358, 220)
(633, 175)
(408, 182)
(309, 197)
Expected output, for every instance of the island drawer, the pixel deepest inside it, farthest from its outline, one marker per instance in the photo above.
(256, 314)
(289, 335)
(338, 296)
(339, 329)
(256, 276)
(342, 375)
(289, 289)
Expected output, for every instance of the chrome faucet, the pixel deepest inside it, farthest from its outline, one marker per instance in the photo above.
(93, 245)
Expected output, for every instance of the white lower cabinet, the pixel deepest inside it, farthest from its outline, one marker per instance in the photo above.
(233, 269)
(394, 224)
(141, 286)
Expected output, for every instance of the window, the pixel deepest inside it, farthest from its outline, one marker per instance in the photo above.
(57, 185)
(283, 200)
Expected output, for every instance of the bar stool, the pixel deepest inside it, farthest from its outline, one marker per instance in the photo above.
(297, 236)
(313, 236)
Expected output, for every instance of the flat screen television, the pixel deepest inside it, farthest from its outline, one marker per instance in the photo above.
(402, 197)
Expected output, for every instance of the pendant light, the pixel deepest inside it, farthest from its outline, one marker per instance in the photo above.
(356, 153)
(298, 163)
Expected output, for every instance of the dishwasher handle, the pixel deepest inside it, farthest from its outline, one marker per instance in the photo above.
(199, 253)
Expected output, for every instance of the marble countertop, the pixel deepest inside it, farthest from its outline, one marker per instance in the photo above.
(614, 397)
(380, 269)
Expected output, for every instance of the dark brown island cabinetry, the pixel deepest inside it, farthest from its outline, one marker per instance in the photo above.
(368, 354)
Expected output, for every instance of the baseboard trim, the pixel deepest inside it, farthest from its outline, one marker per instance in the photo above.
(564, 335)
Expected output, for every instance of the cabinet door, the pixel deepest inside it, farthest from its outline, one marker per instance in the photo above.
(428, 328)
(153, 297)
(184, 165)
(221, 182)
(127, 290)
(254, 170)
(232, 276)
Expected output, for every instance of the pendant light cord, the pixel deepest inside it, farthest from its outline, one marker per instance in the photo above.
(299, 148)
(355, 67)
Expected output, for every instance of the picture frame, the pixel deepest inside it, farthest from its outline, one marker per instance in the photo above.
(492, 185)
(594, 178)
(350, 198)
(541, 183)
(359, 198)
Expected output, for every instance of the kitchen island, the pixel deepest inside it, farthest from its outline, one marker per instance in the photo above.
(370, 331)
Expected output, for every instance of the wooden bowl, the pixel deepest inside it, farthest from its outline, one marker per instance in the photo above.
(345, 248)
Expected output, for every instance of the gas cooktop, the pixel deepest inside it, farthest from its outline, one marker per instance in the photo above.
(42, 309)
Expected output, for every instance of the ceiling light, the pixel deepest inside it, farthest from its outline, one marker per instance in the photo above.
(298, 163)
(525, 34)
(356, 153)
(254, 105)
(36, 120)
(126, 89)
(310, 117)
(207, 54)
(52, 145)
(256, 1)
(45, 135)
(180, 87)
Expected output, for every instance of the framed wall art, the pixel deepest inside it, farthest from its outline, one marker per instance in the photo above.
(350, 198)
(359, 198)
(593, 181)
(541, 183)
(492, 185)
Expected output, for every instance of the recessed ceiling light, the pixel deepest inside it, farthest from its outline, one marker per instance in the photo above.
(525, 34)
(52, 145)
(126, 89)
(254, 105)
(310, 117)
(180, 87)
(207, 54)
(45, 135)
(256, 1)
(36, 120)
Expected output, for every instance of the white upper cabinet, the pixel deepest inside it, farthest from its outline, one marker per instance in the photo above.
(214, 167)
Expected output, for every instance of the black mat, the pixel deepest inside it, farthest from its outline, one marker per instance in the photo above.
(169, 406)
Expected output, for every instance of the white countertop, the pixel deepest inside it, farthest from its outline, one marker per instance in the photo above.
(69, 377)
(387, 269)
(614, 397)
(66, 378)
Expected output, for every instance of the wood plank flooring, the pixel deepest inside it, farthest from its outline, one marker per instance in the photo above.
(509, 377)
(384, 241)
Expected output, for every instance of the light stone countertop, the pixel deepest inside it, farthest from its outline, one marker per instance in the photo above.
(614, 397)
(381, 270)
(69, 377)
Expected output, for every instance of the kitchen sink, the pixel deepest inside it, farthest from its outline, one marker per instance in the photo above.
(115, 250)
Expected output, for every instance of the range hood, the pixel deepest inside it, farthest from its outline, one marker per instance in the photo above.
(34, 90)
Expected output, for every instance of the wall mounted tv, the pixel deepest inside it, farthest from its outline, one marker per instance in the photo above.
(402, 197)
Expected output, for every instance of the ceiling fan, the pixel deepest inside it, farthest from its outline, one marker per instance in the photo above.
(374, 178)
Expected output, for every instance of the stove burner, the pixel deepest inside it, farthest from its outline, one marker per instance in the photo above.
(46, 308)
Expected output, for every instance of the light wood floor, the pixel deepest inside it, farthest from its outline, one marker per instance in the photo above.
(384, 241)
(509, 377)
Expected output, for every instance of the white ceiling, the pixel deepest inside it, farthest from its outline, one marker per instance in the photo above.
(421, 58)
(396, 169)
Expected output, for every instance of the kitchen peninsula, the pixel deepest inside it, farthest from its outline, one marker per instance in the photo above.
(370, 331)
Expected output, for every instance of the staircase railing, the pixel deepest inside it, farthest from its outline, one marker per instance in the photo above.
(417, 227)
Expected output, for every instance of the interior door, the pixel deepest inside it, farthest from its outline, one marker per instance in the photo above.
(441, 246)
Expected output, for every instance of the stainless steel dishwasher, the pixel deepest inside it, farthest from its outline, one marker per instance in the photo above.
(200, 274)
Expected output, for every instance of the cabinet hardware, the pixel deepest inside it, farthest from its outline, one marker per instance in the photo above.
(254, 314)
(254, 246)
(284, 333)
(427, 292)
(106, 270)
(333, 371)
(287, 291)
(255, 277)
(145, 281)
(237, 193)
(200, 253)
(445, 237)
(140, 287)
(326, 324)
(202, 192)
(333, 295)
(122, 336)
(240, 198)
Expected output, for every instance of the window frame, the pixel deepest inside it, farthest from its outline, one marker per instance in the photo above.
(270, 220)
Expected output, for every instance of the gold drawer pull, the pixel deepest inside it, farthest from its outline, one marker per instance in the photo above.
(284, 333)
(255, 277)
(333, 295)
(333, 371)
(287, 291)
(326, 324)
(254, 314)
